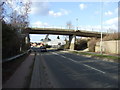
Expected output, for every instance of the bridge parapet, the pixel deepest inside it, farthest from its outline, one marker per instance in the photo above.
(58, 31)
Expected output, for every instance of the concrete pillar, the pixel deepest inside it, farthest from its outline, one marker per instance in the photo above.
(27, 38)
(72, 39)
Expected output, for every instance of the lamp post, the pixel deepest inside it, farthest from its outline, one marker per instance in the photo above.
(101, 27)
(76, 23)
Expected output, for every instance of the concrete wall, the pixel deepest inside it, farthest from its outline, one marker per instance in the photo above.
(111, 47)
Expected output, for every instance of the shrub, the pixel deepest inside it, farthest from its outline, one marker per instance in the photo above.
(66, 46)
(10, 41)
(81, 44)
(112, 36)
(92, 43)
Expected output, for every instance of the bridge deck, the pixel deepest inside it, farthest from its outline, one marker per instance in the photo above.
(58, 31)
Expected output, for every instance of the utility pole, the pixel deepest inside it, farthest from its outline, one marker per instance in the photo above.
(101, 27)
(76, 23)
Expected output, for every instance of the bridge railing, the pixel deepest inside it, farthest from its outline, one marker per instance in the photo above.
(82, 29)
(58, 29)
(14, 57)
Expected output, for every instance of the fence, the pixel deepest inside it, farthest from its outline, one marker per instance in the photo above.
(14, 57)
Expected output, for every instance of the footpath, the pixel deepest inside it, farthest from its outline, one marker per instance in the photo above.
(20, 78)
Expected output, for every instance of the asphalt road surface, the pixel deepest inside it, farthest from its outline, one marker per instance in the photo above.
(74, 71)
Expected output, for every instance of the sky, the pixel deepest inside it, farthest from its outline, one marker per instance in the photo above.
(87, 15)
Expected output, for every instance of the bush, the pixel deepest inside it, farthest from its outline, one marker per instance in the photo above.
(112, 36)
(66, 46)
(47, 46)
(10, 41)
(81, 44)
(92, 43)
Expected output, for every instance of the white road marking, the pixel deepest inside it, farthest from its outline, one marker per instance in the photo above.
(38, 54)
(79, 62)
(93, 68)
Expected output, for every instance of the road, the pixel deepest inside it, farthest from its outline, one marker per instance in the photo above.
(68, 70)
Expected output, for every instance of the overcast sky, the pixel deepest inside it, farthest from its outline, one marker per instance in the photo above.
(56, 14)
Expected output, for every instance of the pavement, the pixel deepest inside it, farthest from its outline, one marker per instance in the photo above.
(18, 79)
(66, 70)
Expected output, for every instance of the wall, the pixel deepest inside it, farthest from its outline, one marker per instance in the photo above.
(111, 47)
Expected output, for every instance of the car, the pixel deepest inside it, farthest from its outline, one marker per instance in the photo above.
(43, 49)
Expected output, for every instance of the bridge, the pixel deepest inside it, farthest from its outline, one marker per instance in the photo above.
(59, 31)
(71, 32)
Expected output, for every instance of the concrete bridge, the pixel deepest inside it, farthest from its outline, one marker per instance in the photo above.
(58, 31)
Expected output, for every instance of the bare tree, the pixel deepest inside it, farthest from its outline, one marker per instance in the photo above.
(69, 25)
(17, 14)
(2, 11)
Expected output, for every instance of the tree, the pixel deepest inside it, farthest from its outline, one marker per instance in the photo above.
(12, 21)
(49, 39)
(17, 15)
(58, 37)
(1, 10)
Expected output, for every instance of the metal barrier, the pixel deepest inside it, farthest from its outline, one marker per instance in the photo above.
(14, 57)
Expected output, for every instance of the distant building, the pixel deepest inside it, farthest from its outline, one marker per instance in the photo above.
(33, 44)
(56, 43)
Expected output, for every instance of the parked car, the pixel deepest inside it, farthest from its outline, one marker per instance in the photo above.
(43, 49)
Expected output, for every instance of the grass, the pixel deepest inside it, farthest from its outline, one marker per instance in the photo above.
(98, 55)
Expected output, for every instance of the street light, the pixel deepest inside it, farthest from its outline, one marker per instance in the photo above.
(101, 26)
(76, 23)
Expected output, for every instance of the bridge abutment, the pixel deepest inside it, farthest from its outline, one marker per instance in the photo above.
(72, 39)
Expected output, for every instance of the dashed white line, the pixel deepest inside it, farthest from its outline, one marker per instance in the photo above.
(79, 62)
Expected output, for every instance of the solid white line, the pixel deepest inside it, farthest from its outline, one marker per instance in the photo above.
(55, 53)
(83, 64)
(94, 68)
(73, 60)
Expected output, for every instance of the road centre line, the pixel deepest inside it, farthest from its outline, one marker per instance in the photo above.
(79, 62)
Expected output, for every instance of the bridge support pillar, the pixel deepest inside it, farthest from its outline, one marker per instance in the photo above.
(72, 39)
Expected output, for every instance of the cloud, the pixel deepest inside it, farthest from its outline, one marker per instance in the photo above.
(114, 12)
(60, 13)
(82, 6)
(52, 13)
(108, 13)
(41, 8)
(111, 24)
(39, 24)
(111, 21)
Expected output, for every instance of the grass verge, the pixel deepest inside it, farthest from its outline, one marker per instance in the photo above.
(115, 58)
